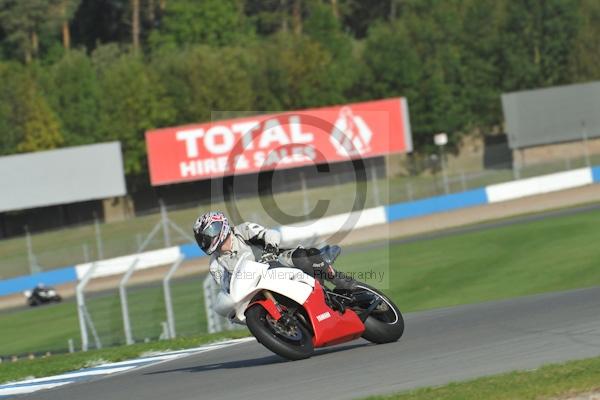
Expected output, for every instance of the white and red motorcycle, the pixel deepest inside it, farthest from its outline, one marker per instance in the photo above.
(291, 313)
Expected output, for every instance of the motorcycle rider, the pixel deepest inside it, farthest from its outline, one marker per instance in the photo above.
(226, 244)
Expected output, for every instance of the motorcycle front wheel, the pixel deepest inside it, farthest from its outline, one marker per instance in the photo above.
(385, 324)
(292, 340)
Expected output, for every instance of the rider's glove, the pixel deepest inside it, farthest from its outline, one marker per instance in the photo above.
(272, 238)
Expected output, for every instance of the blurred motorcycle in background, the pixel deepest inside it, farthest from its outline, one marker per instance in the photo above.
(42, 294)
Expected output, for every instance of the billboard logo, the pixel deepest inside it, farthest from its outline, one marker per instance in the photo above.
(351, 135)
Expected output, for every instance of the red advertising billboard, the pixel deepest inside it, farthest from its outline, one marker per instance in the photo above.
(283, 140)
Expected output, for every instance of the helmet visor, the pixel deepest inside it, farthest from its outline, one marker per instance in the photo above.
(213, 230)
(207, 236)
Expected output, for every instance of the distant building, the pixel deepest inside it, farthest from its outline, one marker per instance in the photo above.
(556, 123)
(59, 187)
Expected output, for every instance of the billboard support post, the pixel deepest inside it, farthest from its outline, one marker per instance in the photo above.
(375, 187)
(517, 165)
(304, 195)
(586, 150)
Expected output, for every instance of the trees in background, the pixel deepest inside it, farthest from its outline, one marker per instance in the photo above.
(83, 71)
(27, 122)
(132, 100)
(72, 89)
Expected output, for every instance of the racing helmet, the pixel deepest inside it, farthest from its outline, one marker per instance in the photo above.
(211, 230)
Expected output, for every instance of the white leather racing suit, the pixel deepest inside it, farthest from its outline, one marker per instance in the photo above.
(248, 241)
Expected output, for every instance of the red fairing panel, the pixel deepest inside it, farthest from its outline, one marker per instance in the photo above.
(330, 326)
(269, 306)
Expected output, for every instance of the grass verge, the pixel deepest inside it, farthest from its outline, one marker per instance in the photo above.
(60, 363)
(546, 255)
(548, 382)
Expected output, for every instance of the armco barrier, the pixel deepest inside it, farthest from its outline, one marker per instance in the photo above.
(120, 265)
(379, 215)
(335, 223)
(191, 250)
(539, 185)
(596, 174)
(53, 277)
(436, 204)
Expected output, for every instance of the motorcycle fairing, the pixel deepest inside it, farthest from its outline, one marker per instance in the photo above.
(330, 327)
(251, 277)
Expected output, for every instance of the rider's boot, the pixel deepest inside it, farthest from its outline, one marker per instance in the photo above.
(310, 260)
(340, 280)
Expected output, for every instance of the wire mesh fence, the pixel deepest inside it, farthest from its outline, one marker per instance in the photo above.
(146, 312)
(422, 177)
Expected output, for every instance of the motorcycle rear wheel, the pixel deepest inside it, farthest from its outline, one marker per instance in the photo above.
(293, 344)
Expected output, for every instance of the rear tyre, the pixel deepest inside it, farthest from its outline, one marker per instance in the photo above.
(385, 324)
(291, 342)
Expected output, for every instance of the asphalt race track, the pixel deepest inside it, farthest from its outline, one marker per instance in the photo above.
(439, 346)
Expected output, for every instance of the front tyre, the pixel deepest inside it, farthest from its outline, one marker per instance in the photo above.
(292, 341)
(385, 324)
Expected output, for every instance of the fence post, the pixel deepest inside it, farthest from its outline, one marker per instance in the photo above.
(86, 252)
(99, 245)
(463, 180)
(444, 170)
(165, 223)
(81, 308)
(124, 305)
(33, 264)
(183, 233)
(168, 299)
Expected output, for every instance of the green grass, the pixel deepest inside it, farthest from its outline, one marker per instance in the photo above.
(548, 382)
(60, 363)
(48, 328)
(549, 255)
